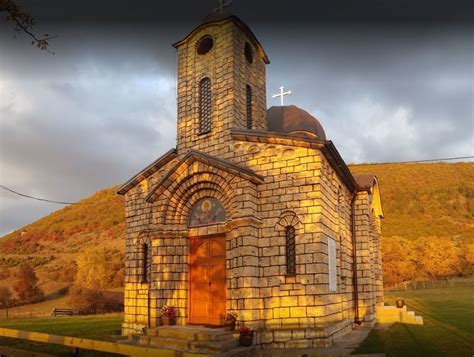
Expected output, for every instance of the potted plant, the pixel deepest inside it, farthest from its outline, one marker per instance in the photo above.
(246, 336)
(168, 315)
(400, 303)
(230, 319)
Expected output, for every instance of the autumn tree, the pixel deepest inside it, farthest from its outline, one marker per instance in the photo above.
(5, 297)
(438, 257)
(85, 300)
(26, 285)
(93, 269)
(399, 262)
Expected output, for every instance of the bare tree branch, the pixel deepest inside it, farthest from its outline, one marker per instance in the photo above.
(24, 23)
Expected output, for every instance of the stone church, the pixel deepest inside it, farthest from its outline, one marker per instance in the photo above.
(254, 211)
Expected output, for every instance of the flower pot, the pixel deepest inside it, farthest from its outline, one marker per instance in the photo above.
(246, 340)
(400, 303)
(168, 321)
(229, 325)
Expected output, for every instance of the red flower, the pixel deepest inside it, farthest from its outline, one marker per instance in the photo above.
(168, 311)
(246, 331)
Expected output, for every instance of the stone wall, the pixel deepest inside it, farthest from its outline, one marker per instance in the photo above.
(299, 188)
(138, 218)
(369, 264)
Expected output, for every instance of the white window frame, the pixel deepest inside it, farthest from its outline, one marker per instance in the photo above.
(332, 265)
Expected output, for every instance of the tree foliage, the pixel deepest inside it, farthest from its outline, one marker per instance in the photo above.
(26, 285)
(6, 298)
(24, 22)
(99, 268)
(426, 258)
(85, 300)
(92, 269)
(427, 230)
(92, 301)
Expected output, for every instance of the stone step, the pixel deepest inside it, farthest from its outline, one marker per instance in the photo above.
(193, 346)
(214, 346)
(176, 344)
(190, 333)
(140, 339)
(239, 352)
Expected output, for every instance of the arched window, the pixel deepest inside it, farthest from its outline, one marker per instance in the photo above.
(206, 211)
(248, 106)
(205, 106)
(290, 251)
(146, 263)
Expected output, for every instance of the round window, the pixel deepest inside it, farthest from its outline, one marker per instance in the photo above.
(248, 52)
(204, 45)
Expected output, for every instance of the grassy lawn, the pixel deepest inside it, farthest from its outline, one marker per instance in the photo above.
(448, 328)
(100, 327)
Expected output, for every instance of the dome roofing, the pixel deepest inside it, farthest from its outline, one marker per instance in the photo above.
(293, 120)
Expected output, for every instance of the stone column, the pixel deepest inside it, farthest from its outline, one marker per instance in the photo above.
(365, 276)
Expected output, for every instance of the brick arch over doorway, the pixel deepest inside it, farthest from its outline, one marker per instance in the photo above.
(186, 193)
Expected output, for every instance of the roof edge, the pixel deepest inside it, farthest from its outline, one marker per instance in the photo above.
(242, 25)
(338, 164)
(148, 171)
(200, 156)
(266, 136)
(369, 183)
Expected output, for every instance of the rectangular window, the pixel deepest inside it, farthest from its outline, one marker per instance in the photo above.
(332, 264)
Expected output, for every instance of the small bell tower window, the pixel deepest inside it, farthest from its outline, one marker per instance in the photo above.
(248, 104)
(205, 106)
(248, 52)
(204, 45)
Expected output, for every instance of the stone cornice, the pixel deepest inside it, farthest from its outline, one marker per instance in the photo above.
(326, 146)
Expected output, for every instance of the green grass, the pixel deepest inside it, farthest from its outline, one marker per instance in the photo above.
(100, 327)
(448, 328)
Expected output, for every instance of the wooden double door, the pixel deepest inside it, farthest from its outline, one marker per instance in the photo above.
(207, 280)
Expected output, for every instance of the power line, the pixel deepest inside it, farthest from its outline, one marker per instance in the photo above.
(415, 161)
(372, 163)
(40, 199)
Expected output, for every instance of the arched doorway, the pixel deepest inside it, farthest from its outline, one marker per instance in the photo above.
(207, 266)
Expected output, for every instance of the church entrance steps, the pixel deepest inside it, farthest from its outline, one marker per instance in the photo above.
(392, 314)
(193, 339)
(190, 332)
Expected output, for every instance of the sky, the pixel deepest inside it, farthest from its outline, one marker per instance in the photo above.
(388, 80)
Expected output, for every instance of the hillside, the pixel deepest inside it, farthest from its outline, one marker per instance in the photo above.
(425, 199)
(423, 204)
(52, 243)
(428, 229)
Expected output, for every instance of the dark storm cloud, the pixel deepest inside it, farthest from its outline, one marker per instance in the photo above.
(388, 80)
(270, 12)
(359, 82)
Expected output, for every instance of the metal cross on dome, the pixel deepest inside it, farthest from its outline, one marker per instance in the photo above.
(281, 95)
(222, 5)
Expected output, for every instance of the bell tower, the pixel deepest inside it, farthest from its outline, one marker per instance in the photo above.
(221, 83)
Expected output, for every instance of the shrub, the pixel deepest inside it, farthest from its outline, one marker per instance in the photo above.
(26, 286)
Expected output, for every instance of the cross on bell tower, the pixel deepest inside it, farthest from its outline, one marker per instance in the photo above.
(222, 5)
(281, 95)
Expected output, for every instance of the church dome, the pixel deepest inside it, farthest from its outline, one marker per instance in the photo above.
(292, 120)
